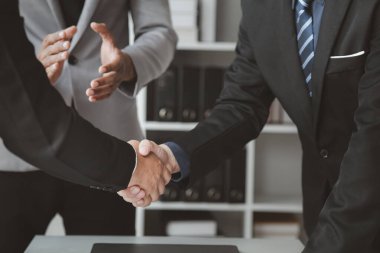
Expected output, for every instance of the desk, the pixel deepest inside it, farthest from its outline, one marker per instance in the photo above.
(83, 244)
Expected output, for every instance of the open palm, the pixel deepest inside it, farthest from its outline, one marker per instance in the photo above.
(116, 66)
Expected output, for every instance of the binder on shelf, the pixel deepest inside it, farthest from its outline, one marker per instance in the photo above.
(214, 185)
(235, 175)
(193, 193)
(162, 97)
(189, 94)
(211, 87)
(171, 194)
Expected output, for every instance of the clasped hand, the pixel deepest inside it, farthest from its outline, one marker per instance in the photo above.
(155, 166)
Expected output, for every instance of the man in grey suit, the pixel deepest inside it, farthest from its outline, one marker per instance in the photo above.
(100, 75)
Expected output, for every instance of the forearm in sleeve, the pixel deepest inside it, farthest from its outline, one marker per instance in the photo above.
(38, 126)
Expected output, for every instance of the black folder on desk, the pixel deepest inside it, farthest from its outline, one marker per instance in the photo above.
(162, 248)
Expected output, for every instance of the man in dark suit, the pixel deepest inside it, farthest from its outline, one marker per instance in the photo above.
(37, 125)
(321, 59)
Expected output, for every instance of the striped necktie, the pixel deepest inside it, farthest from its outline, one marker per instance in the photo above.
(305, 38)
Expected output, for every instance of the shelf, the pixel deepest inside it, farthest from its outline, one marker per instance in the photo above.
(185, 206)
(280, 204)
(280, 129)
(207, 46)
(168, 126)
(181, 126)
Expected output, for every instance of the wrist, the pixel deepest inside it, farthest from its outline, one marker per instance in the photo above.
(130, 73)
(172, 159)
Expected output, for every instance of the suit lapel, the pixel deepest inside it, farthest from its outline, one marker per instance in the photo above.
(57, 13)
(292, 64)
(333, 15)
(89, 9)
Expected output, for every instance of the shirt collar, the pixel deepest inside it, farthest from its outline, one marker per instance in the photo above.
(321, 2)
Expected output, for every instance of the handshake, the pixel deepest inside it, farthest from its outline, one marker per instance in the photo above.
(155, 165)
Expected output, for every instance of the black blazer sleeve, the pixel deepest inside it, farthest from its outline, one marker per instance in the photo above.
(37, 125)
(239, 115)
(350, 219)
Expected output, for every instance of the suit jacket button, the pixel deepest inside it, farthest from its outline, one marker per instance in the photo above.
(72, 60)
(324, 153)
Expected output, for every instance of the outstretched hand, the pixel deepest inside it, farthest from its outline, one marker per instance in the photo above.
(149, 179)
(116, 67)
(136, 193)
(55, 51)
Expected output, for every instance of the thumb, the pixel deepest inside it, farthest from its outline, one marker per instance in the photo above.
(146, 147)
(103, 31)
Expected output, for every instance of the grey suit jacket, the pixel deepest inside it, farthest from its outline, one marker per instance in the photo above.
(152, 52)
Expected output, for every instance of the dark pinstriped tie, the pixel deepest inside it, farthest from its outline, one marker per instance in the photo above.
(305, 38)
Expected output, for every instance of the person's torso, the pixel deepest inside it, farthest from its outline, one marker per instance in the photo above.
(325, 121)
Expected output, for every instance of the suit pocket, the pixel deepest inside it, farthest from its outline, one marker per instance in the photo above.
(337, 65)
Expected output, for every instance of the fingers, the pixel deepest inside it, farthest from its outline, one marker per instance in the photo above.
(163, 152)
(100, 93)
(53, 59)
(113, 66)
(54, 71)
(103, 87)
(111, 78)
(146, 147)
(151, 175)
(66, 34)
(55, 51)
(167, 176)
(134, 143)
(144, 202)
(132, 194)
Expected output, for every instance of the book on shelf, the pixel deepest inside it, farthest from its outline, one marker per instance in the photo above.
(184, 15)
(189, 89)
(184, 93)
(276, 229)
(203, 228)
(235, 177)
(162, 97)
(193, 193)
(214, 185)
(211, 87)
(269, 225)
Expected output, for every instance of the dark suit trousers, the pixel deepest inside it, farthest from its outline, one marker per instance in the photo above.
(30, 200)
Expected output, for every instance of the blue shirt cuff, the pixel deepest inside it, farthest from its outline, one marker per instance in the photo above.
(182, 159)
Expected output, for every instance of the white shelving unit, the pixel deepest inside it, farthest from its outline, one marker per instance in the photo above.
(207, 46)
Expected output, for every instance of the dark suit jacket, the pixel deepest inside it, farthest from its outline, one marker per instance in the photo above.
(37, 126)
(339, 126)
